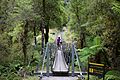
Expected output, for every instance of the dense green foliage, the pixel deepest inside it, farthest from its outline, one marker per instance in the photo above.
(18, 20)
(94, 24)
(91, 19)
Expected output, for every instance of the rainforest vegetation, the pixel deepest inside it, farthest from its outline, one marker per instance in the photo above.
(27, 25)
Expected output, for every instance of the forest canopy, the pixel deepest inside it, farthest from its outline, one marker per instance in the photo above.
(27, 25)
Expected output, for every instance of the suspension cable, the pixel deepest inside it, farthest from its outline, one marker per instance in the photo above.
(44, 57)
(78, 61)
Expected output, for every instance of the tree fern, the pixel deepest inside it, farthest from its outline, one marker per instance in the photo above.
(92, 50)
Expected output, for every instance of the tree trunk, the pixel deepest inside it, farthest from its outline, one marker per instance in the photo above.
(47, 33)
(82, 38)
(43, 26)
(25, 42)
(42, 30)
(82, 29)
(35, 40)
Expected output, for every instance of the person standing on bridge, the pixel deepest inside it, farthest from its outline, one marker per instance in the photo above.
(58, 41)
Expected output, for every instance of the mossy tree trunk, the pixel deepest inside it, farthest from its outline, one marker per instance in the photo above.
(24, 42)
(81, 31)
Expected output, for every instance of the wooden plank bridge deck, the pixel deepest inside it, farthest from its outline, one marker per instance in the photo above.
(59, 78)
(59, 63)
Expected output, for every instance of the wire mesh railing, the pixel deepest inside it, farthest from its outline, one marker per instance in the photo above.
(69, 51)
(80, 65)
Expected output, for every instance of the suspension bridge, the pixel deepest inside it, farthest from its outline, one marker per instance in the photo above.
(59, 63)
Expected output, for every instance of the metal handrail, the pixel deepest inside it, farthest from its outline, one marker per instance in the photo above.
(53, 53)
(78, 60)
(44, 56)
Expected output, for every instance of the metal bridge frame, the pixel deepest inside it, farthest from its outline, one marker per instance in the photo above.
(47, 55)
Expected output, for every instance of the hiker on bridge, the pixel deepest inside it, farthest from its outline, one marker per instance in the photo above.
(59, 42)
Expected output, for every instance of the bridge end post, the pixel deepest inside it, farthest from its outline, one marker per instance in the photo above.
(48, 55)
(72, 60)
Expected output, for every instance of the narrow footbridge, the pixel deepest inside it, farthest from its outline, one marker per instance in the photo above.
(60, 66)
(60, 62)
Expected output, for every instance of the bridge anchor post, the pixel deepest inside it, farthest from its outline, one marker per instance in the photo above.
(48, 56)
(73, 60)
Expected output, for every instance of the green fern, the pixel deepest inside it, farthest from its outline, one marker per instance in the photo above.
(86, 52)
(112, 75)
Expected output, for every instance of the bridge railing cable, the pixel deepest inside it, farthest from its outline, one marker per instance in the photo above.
(44, 56)
(53, 50)
(80, 65)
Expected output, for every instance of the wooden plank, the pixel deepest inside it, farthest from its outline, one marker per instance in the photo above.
(69, 74)
(59, 63)
(59, 78)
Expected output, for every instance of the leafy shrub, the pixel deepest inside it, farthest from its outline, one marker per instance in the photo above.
(115, 75)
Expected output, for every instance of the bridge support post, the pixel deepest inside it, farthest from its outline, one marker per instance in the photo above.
(73, 60)
(48, 55)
